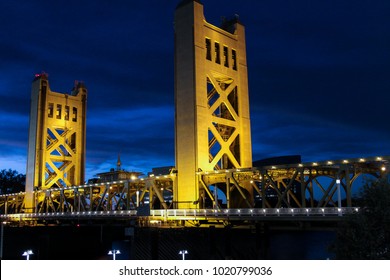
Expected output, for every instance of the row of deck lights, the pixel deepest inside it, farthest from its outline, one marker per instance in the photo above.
(13, 194)
(126, 212)
(239, 211)
(100, 184)
(327, 163)
(162, 212)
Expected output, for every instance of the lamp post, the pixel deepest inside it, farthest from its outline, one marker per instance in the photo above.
(338, 182)
(114, 253)
(183, 253)
(27, 254)
(1, 240)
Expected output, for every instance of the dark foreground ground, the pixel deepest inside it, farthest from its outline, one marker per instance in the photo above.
(91, 242)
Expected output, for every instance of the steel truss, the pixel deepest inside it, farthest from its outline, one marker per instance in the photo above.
(314, 185)
(292, 190)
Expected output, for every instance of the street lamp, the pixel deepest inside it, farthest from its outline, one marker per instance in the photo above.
(183, 253)
(338, 182)
(27, 254)
(114, 253)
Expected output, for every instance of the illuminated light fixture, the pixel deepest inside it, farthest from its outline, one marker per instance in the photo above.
(345, 161)
(383, 168)
(330, 162)
(263, 210)
(307, 210)
(251, 181)
(238, 210)
(114, 253)
(357, 209)
(338, 181)
(273, 167)
(238, 170)
(339, 209)
(277, 210)
(323, 210)
(226, 170)
(315, 163)
(379, 158)
(183, 253)
(362, 160)
(27, 254)
(151, 175)
(300, 165)
(292, 210)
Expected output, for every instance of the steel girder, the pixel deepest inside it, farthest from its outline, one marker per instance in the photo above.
(322, 184)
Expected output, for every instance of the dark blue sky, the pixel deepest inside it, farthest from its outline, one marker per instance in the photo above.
(319, 75)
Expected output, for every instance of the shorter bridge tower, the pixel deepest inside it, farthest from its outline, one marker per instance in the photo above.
(56, 145)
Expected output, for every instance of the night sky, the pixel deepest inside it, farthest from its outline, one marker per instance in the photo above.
(319, 76)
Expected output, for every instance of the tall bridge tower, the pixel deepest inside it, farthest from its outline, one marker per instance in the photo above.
(56, 145)
(212, 105)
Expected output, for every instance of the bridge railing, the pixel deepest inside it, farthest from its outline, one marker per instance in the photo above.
(253, 212)
(190, 214)
(72, 215)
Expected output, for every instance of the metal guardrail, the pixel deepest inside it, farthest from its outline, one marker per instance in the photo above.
(253, 212)
(192, 214)
(70, 215)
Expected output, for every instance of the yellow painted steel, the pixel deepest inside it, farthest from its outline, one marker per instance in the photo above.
(212, 104)
(57, 136)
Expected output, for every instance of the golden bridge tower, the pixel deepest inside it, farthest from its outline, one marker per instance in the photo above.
(212, 103)
(56, 145)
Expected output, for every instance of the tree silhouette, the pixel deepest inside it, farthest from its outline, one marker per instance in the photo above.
(366, 234)
(11, 181)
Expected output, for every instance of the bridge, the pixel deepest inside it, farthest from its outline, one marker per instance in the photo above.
(213, 182)
(285, 192)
